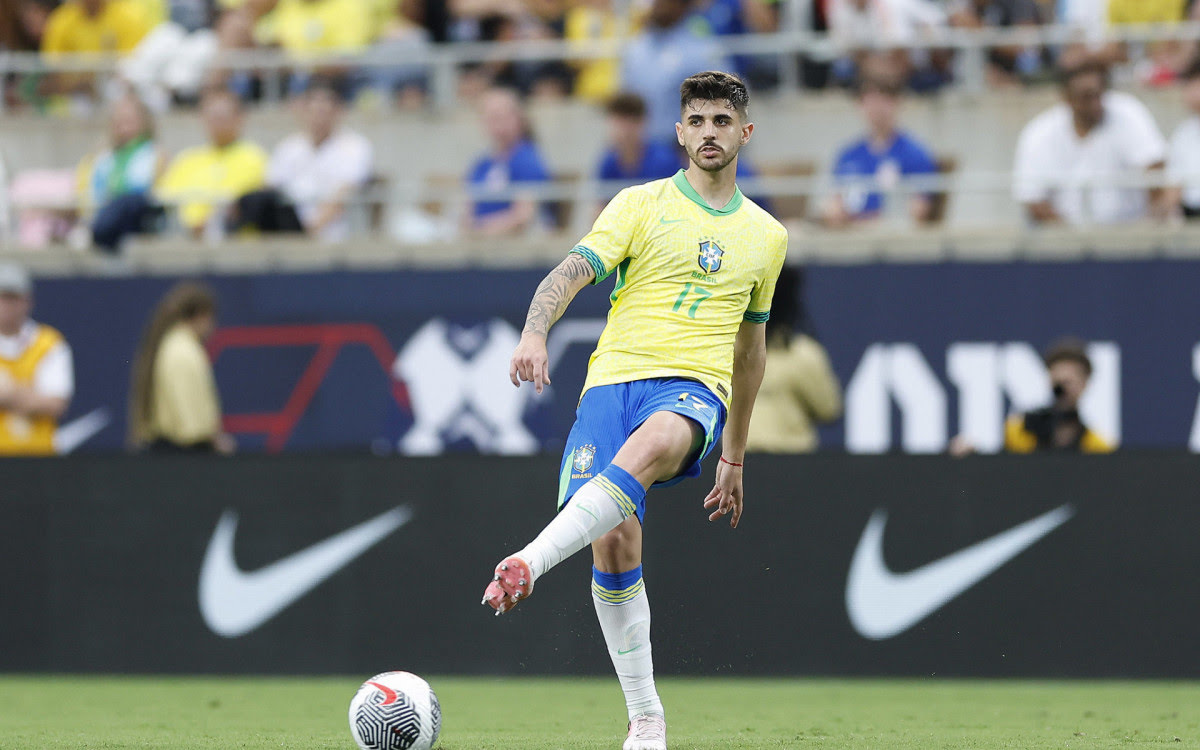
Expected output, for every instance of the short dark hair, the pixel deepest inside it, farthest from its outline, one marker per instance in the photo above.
(1088, 67)
(715, 86)
(1192, 72)
(1068, 350)
(626, 104)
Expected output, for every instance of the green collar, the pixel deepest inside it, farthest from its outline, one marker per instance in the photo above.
(686, 188)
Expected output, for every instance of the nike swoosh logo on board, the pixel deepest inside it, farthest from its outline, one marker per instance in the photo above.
(234, 602)
(665, 220)
(883, 604)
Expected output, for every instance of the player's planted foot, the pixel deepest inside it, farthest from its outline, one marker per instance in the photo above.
(512, 582)
(647, 732)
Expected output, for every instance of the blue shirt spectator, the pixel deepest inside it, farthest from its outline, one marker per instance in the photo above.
(658, 160)
(655, 62)
(512, 160)
(497, 172)
(903, 157)
(880, 160)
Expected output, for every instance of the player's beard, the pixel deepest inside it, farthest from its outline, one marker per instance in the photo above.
(709, 165)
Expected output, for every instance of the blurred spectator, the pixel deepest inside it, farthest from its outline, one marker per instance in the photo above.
(511, 161)
(799, 389)
(883, 27)
(401, 38)
(1058, 427)
(102, 26)
(306, 27)
(885, 155)
(630, 157)
(117, 182)
(1006, 65)
(534, 78)
(90, 26)
(667, 51)
(173, 402)
(1069, 157)
(37, 378)
(594, 20)
(312, 174)
(1183, 164)
(172, 60)
(23, 24)
(1164, 60)
(736, 17)
(203, 179)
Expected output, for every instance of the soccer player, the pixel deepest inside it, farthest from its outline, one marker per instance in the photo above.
(696, 265)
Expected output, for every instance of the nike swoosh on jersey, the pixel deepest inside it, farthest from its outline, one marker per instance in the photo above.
(883, 604)
(234, 602)
(665, 220)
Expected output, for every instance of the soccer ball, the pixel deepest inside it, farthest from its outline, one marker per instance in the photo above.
(395, 711)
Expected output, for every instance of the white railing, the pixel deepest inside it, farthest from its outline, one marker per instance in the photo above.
(442, 61)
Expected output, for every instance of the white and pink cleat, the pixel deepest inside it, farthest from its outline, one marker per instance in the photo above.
(647, 732)
(512, 582)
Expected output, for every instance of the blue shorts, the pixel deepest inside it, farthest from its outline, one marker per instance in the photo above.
(609, 414)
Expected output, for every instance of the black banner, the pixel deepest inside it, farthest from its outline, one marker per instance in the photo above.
(1041, 566)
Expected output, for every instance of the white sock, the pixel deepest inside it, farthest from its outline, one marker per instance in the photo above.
(626, 627)
(591, 513)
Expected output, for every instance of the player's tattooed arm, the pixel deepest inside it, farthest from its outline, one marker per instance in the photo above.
(530, 361)
(556, 292)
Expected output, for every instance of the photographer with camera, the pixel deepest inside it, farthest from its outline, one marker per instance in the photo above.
(1057, 427)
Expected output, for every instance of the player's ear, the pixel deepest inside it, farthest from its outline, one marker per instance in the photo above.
(747, 131)
(679, 132)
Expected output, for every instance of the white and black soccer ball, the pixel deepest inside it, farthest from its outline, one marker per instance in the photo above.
(395, 711)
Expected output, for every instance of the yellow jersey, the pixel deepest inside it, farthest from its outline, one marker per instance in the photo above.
(28, 436)
(687, 276)
(204, 175)
(313, 26)
(117, 28)
(1122, 12)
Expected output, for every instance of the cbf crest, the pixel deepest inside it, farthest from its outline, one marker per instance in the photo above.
(584, 456)
(710, 256)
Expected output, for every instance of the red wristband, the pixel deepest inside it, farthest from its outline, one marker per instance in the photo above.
(731, 463)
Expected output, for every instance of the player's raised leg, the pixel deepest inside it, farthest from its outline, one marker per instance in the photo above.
(654, 451)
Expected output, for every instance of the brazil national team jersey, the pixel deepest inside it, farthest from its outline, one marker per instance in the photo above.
(687, 276)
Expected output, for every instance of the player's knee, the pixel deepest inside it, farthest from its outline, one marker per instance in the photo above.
(617, 550)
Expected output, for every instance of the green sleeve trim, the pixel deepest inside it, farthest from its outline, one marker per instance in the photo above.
(594, 260)
(757, 317)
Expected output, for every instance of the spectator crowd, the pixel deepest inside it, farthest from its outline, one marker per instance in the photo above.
(1096, 158)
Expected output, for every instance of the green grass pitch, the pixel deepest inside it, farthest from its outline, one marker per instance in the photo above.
(588, 714)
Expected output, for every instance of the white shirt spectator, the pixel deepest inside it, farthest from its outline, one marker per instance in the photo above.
(55, 374)
(312, 175)
(1183, 163)
(882, 22)
(1053, 163)
(1087, 16)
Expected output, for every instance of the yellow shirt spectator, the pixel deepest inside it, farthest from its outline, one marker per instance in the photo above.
(799, 390)
(110, 26)
(311, 26)
(206, 175)
(1145, 11)
(598, 79)
(187, 409)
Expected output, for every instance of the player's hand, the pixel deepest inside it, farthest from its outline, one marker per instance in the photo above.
(726, 495)
(530, 362)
